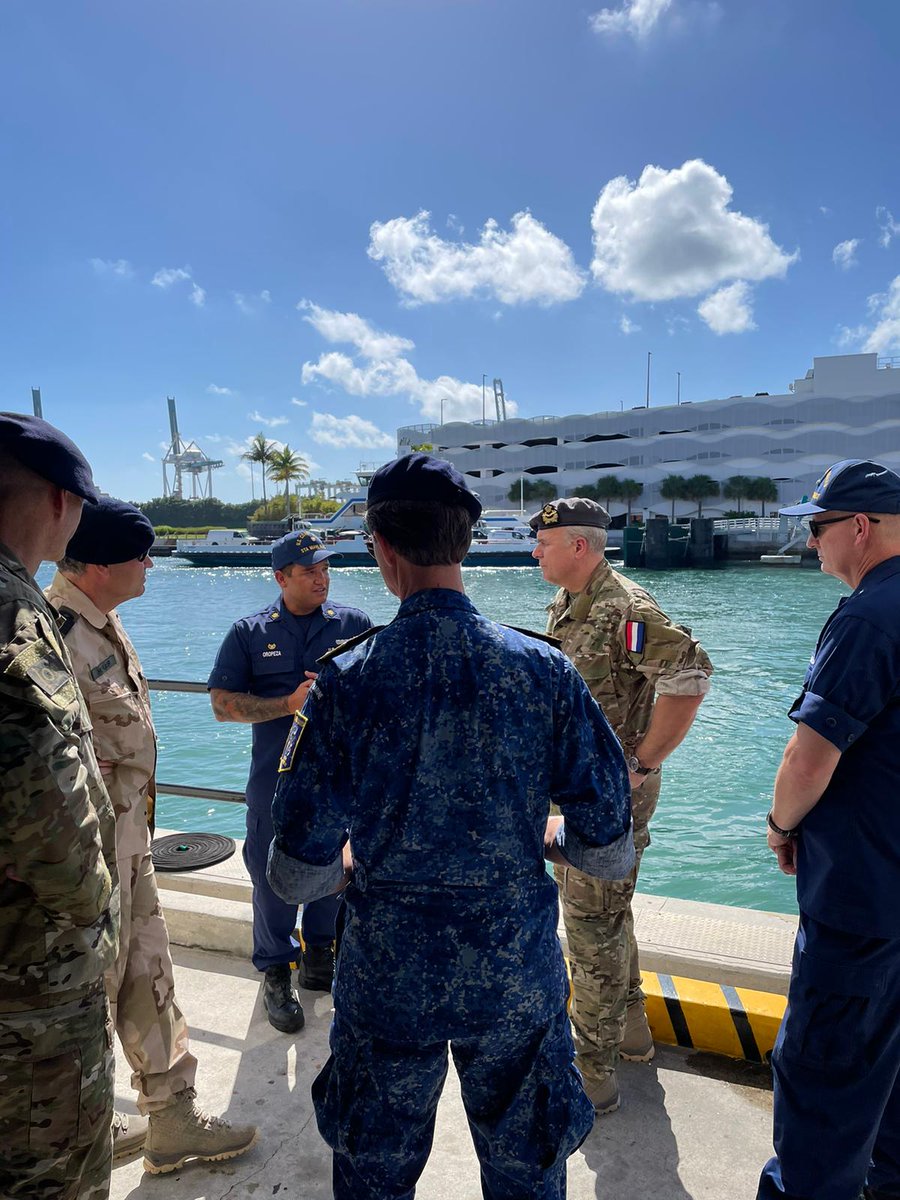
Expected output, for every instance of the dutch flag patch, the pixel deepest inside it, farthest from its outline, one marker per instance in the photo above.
(634, 637)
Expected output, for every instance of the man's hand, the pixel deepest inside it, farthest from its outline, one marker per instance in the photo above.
(785, 850)
(297, 698)
(553, 824)
(635, 781)
(106, 766)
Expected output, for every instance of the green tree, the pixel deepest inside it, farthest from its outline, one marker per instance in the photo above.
(764, 490)
(286, 466)
(629, 490)
(699, 488)
(604, 491)
(260, 451)
(424, 447)
(672, 488)
(737, 487)
(532, 489)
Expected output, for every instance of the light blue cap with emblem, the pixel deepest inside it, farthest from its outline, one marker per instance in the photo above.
(304, 548)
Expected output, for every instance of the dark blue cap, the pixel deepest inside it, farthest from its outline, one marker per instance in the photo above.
(852, 485)
(42, 448)
(304, 548)
(110, 531)
(422, 477)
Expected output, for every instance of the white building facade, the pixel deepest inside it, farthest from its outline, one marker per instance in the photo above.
(847, 406)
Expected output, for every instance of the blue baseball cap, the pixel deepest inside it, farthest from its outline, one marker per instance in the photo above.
(47, 451)
(304, 548)
(852, 485)
(422, 477)
(110, 531)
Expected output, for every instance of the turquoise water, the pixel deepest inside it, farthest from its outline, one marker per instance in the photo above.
(759, 627)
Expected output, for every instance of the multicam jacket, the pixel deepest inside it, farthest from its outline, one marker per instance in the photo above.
(115, 691)
(627, 650)
(59, 916)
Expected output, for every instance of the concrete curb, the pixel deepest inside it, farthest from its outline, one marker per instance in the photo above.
(715, 1017)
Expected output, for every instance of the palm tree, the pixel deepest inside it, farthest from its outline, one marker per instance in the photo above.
(763, 489)
(630, 489)
(700, 488)
(284, 467)
(672, 488)
(260, 451)
(738, 487)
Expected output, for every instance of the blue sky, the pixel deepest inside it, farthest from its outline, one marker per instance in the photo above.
(319, 218)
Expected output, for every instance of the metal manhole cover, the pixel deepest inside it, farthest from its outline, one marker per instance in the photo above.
(190, 851)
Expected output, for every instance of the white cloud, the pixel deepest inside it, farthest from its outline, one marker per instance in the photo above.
(844, 253)
(391, 375)
(149, 457)
(299, 403)
(672, 234)
(628, 326)
(212, 437)
(882, 335)
(729, 309)
(636, 17)
(344, 432)
(888, 226)
(250, 304)
(677, 324)
(120, 267)
(270, 422)
(168, 276)
(824, 210)
(214, 390)
(527, 263)
(352, 328)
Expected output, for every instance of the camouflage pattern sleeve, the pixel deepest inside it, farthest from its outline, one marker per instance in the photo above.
(662, 652)
(51, 836)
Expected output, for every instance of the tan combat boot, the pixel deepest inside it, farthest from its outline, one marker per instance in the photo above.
(637, 1041)
(181, 1132)
(128, 1135)
(603, 1093)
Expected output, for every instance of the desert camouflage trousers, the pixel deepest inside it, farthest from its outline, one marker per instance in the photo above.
(141, 989)
(603, 953)
(56, 1098)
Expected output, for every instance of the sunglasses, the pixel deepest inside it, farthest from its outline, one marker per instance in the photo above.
(815, 526)
(367, 539)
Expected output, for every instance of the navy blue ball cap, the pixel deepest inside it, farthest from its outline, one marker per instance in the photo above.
(47, 451)
(852, 485)
(304, 548)
(422, 477)
(110, 531)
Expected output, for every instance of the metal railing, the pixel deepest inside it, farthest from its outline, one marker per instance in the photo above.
(178, 789)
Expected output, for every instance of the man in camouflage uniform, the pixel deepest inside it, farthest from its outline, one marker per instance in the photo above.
(649, 676)
(105, 564)
(436, 744)
(58, 889)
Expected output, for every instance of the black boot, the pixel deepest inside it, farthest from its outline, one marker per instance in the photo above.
(282, 1005)
(316, 970)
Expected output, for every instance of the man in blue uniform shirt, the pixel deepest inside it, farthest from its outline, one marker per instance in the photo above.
(435, 745)
(262, 674)
(835, 824)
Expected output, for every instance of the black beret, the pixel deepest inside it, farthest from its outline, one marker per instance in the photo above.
(43, 449)
(421, 477)
(111, 531)
(576, 510)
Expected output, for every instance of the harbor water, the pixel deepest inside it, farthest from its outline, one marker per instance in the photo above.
(759, 627)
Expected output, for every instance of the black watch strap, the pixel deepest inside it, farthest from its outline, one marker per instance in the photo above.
(770, 821)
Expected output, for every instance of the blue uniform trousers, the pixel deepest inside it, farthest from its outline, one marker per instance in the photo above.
(376, 1102)
(837, 1070)
(274, 922)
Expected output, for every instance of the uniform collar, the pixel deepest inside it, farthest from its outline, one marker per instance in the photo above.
(282, 614)
(431, 598)
(67, 594)
(577, 605)
(15, 566)
(884, 570)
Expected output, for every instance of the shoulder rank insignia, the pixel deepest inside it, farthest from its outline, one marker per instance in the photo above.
(67, 618)
(347, 645)
(635, 632)
(541, 637)
(549, 514)
(286, 761)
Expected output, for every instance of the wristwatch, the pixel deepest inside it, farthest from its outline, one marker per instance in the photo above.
(634, 766)
(788, 833)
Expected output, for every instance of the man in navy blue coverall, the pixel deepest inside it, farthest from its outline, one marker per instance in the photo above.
(835, 824)
(262, 674)
(435, 745)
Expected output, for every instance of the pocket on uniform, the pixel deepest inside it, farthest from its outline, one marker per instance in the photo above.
(55, 1102)
(829, 1005)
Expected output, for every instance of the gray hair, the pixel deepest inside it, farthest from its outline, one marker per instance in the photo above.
(592, 534)
(71, 566)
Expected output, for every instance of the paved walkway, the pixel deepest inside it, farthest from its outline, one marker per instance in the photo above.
(691, 1127)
